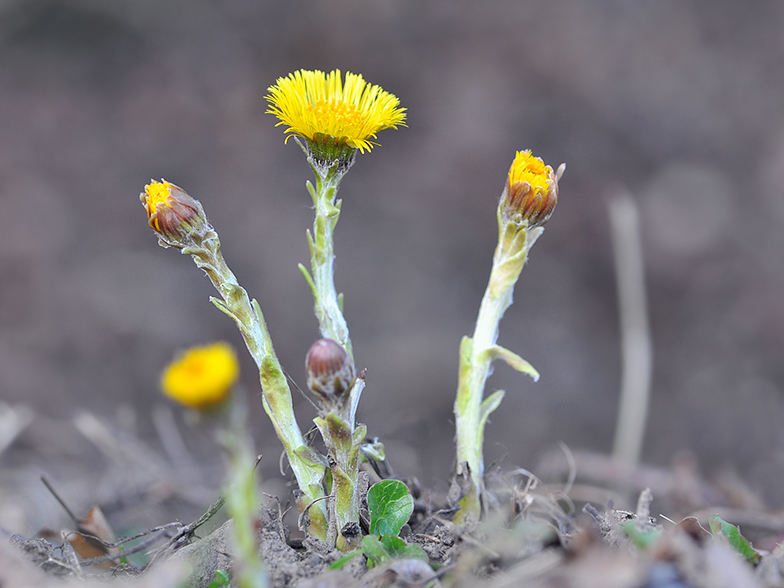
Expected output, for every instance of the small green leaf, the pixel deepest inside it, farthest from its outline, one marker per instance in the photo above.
(642, 539)
(373, 450)
(221, 579)
(514, 361)
(223, 308)
(338, 564)
(309, 186)
(396, 548)
(390, 505)
(489, 404)
(739, 543)
(308, 279)
(359, 435)
(374, 550)
(305, 453)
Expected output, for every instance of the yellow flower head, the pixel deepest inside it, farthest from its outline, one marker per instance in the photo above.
(531, 190)
(202, 377)
(176, 217)
(316, 105)
(156, 193)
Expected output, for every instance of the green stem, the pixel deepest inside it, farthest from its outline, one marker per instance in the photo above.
(241, 497)
(478, 352)
(343, 441)
(328, 305)
(276, 395)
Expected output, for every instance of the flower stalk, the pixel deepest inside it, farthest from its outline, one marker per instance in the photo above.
(203, 379)
(335, 118)
(331, 378)
(242, 502)
(204, 247)
(529, 197)
(328, 304)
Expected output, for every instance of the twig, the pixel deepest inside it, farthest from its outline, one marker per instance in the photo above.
(187, 531)
(59, 499)
(125, 540)
(130, 551)
(636, 348)
(172, 441)
(572, 467)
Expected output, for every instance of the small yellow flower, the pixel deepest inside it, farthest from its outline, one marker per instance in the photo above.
(202, 377)
(531, 190)
(315, 105)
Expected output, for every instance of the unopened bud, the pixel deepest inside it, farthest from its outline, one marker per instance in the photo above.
(531, 191)
(177, 218)
(330, 372)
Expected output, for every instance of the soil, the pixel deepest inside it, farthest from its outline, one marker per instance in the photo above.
(531, 536)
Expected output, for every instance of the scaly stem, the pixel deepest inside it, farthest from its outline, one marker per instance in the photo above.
(478, 352)
(328, 305)
(276, 395)
(330, 160)
(344, 441)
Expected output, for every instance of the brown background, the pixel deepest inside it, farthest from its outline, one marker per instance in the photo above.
(680, 102)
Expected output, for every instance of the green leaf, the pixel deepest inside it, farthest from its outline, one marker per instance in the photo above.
(311, 189)
(396, 548)
(308, 278)
(338, 565)
(390, 505)
(373, 450)
(738, 542)
(359, 435)
(374, 550)
(489, 404)
(221, 579)
(642, 539)
(514, 361)
(223, 308)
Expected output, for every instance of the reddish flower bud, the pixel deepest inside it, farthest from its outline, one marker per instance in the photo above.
(531, 191)
(176, 217)
(330, 372)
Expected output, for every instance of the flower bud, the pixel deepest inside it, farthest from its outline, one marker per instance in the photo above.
(177, 218)
(531, 191)
(330, 372)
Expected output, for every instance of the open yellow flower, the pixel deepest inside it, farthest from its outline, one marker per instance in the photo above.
(202, 377)
(531, 190)
(316, 105)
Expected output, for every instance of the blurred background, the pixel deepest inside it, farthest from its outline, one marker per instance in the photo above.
(679, 102)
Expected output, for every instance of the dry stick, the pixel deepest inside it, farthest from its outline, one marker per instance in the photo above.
(130, 551)
(184, 533)
(59, 499)
(636, 348)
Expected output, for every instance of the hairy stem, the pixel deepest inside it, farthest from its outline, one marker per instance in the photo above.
(276, 395)
(477, 354)
(328, 309)
(241, 496)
